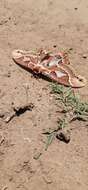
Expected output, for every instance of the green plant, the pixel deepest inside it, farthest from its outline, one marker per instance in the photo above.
(71, 102)
(52, 133)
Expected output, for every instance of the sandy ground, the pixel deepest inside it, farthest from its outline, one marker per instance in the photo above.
(30, 24)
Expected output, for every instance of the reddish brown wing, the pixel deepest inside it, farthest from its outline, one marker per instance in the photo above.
(53, 66)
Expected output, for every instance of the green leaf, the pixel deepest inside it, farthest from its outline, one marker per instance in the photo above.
(50, 138)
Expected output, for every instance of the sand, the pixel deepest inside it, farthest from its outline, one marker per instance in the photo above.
(56, 25)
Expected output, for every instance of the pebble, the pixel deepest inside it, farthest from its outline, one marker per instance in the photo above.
(84, 56)
(54, 46)
(64, 136)
(76, 8)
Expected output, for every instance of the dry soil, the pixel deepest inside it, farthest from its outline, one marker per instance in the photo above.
(30, 24)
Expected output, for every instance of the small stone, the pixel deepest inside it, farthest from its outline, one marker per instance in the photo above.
(84, 56)
(70, 49)
(54, 46)
(76, 8)
(9, 18)
(63, 136)
(10, 178)
(2, 113)
(9, 74)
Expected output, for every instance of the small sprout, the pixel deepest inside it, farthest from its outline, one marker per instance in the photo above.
(50, 138)
(37, 155)
(62, 124)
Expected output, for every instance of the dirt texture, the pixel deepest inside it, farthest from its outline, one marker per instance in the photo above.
(56, 25)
